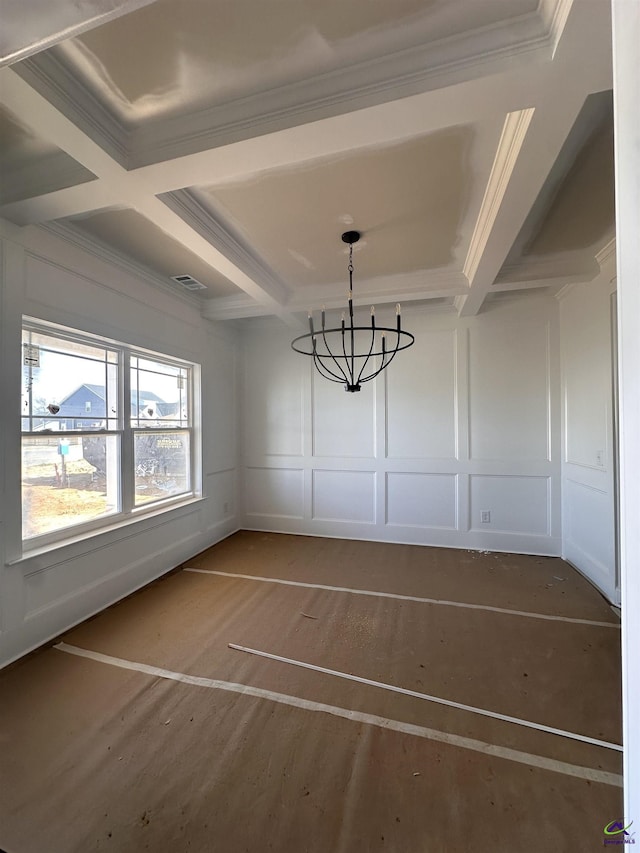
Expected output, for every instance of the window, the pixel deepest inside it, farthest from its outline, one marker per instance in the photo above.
(160, 422)
(107, 432)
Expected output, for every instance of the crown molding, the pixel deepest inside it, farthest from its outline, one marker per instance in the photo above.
(515, 294)
(434, 302)
(385, 290)
(565, 290)
(217, 310)
(54, 80)
(607, 252)
(102, 252)
(602, 259)
(561, 265)
(513, 134)
(397, 75)
(554, 13)
(459, 301)
(199, 217)
(404, 287)
(563, 272)
(538, 284)
(233, 308)
(438, 305)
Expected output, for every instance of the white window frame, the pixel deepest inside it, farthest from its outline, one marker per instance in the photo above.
(125, 434)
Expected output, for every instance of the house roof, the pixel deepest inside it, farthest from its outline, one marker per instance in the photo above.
(470, 142)
(99, 391)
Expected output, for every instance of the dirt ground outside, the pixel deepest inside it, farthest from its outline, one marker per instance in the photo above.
(53, 499)
(46, 506)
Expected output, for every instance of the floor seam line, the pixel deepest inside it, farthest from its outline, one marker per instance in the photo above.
(417, 599)
(428, 698)
(506, 753)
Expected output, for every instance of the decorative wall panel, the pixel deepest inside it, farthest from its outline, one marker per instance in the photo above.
(421, 398)
(344, 496)
(509, 390)
(422, 500)
(343, 423)
(273, 397)
(516, 504)
(276, 492)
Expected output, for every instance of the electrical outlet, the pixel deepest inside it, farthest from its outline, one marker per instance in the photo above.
(485, 516)
(225, 507)
(599, 458)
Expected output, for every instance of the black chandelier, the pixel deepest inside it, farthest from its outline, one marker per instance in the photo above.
(345, 353)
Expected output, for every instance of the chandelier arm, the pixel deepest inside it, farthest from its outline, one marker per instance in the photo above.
(321, 367)
(344, 350)
(323, 370)
(352, 369)
(387, 357)
(337, 363)
(366, 361)
(385, 363)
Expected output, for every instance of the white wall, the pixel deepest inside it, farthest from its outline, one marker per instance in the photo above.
(51, 279)
(626, 90)
(467, 420)
(588, 484)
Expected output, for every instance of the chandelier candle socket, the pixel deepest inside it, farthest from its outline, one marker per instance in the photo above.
(351, 354)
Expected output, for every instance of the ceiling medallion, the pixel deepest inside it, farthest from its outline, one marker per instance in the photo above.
(348, 353)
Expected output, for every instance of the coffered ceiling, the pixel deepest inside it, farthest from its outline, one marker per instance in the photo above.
(470, 141)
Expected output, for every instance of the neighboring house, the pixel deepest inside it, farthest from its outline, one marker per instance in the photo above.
(85, 407)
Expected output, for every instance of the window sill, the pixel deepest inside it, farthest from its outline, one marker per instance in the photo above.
(38, 559)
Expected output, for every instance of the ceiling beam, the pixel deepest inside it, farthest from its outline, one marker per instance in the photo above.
(117, 185)
(530, 144)
(70, 201)
(382, 125)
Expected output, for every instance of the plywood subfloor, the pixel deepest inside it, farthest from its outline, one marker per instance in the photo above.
(263, 755)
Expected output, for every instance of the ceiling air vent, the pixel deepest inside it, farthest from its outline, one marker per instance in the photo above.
(189, 282)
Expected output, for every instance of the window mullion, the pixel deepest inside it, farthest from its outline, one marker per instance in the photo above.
(30, 385)
(193, 419)
(127, 466)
